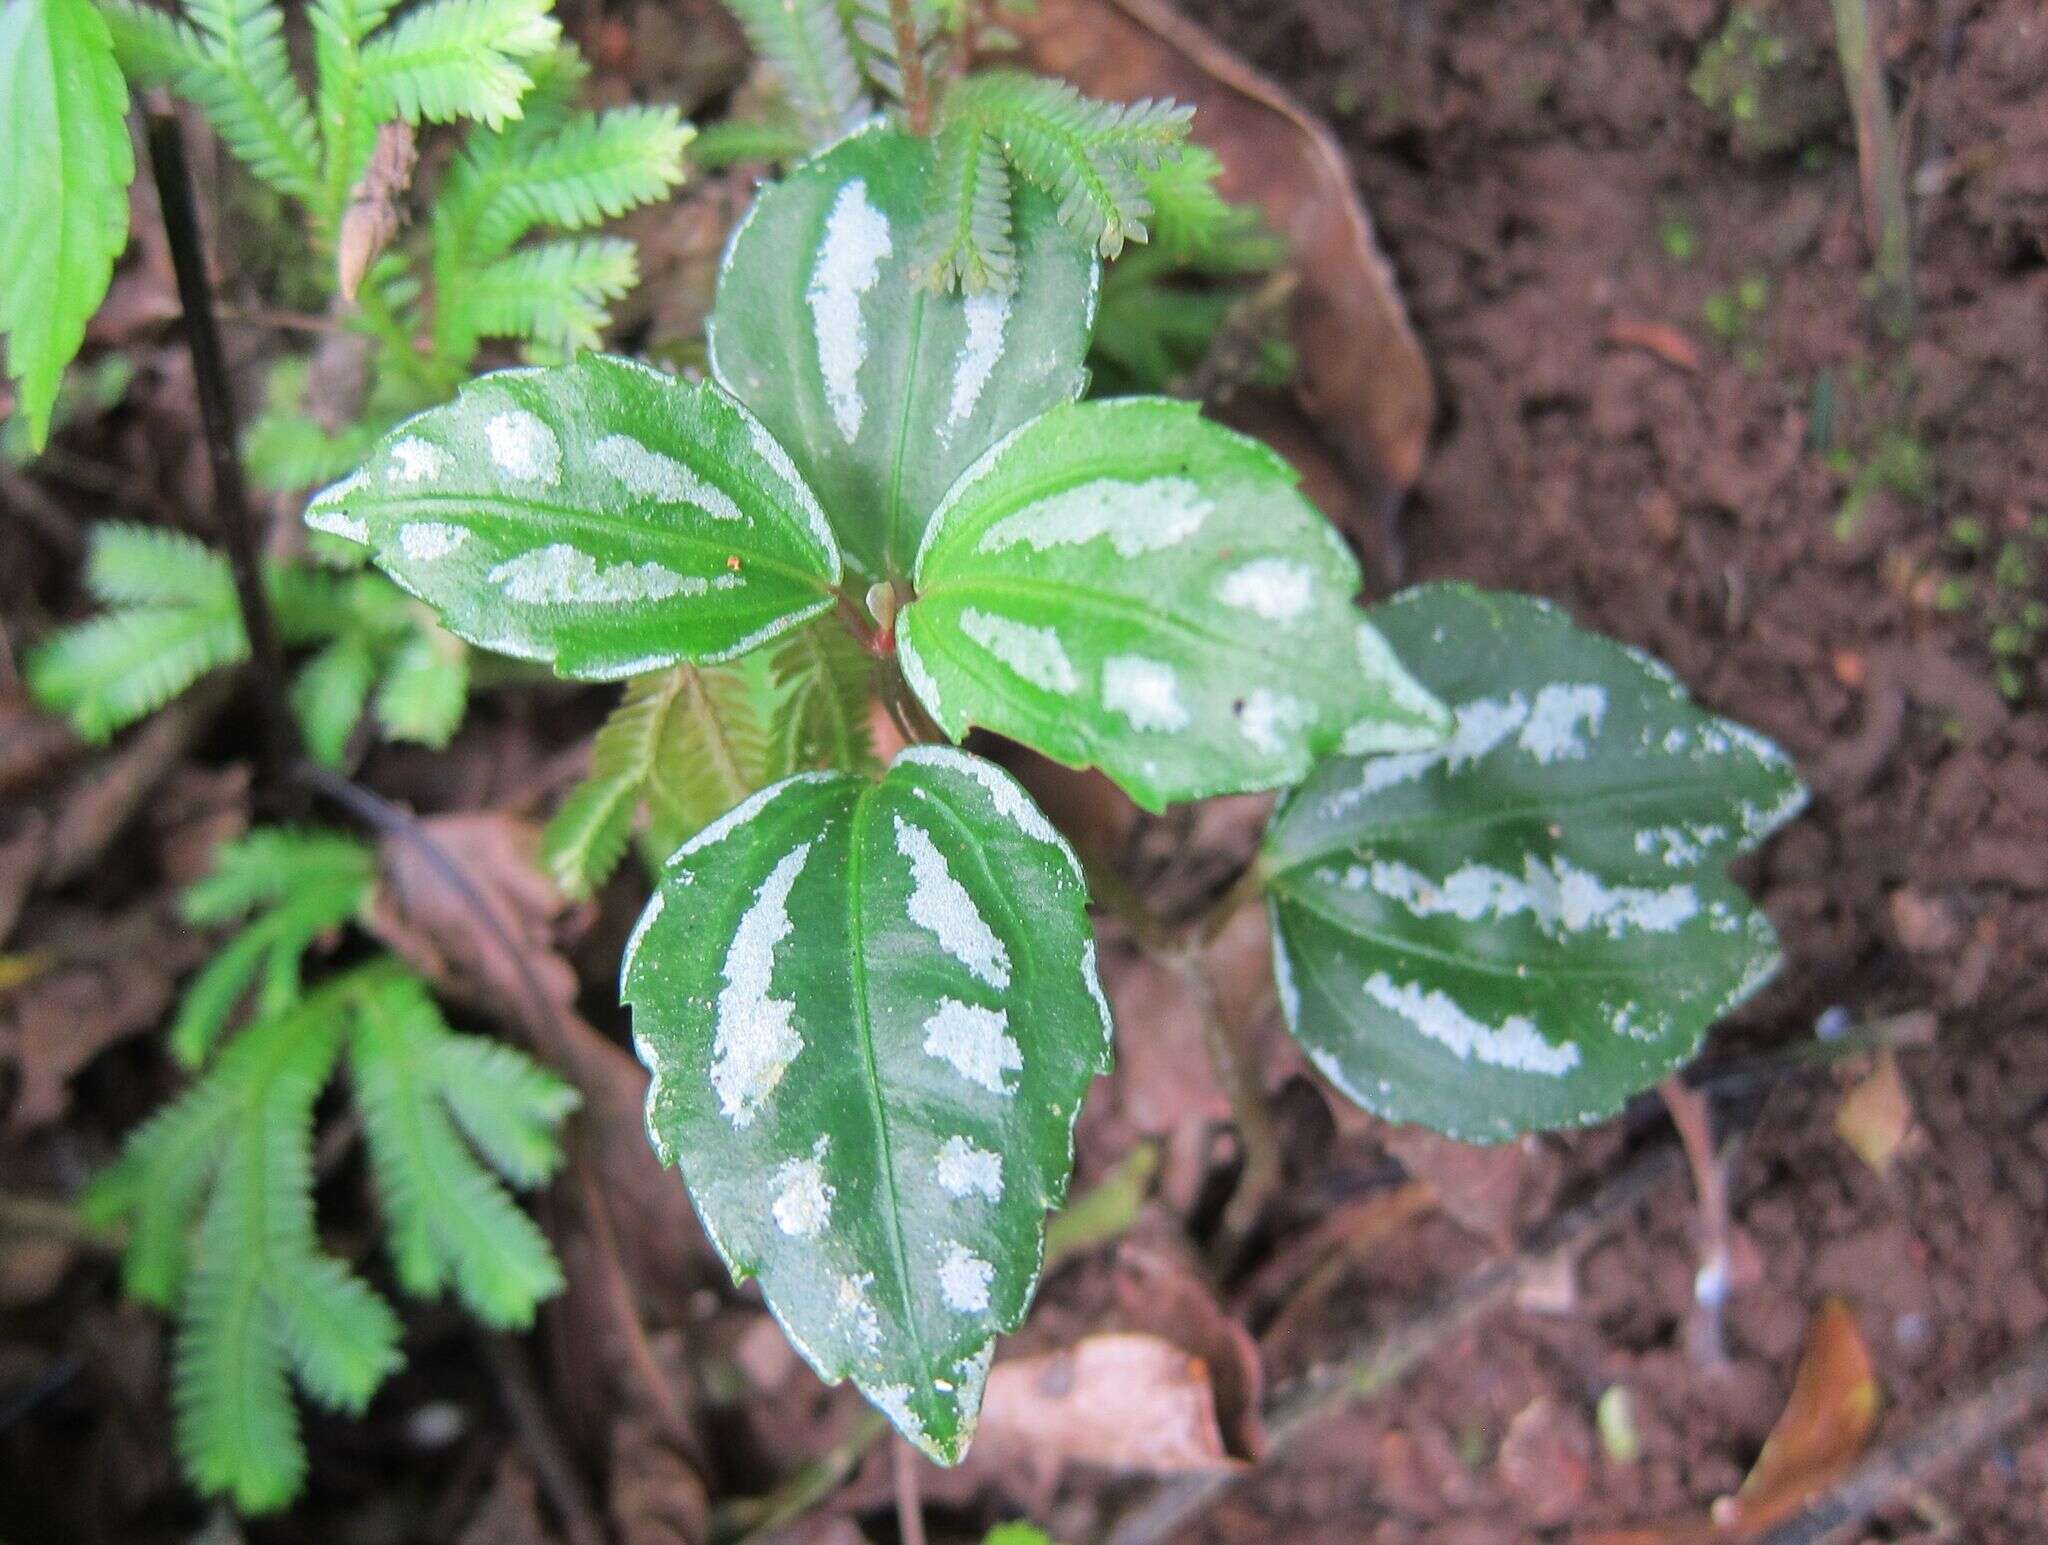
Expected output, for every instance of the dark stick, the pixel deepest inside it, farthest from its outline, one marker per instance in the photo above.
(1955, 1432)
(217, 416)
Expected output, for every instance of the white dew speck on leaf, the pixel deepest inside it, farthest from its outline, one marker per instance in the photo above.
(561, 575)
(523, 448)
(964, 1279)
(941, 906)
(1144, 691)
(757, 1038)
(1137, 518)
(1277, 589)
(1515, 1044)
(653, 475)
(849, 265)
(988, 316)
(966, 1169)
(975, 1042)
(1033, 653)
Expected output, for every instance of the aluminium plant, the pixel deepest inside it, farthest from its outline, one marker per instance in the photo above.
(868, 996)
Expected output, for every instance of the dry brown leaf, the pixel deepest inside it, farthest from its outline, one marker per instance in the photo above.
(1124, 1401)
(1363, 376)
(1159, 1293)
(376, 206)
(1876, 1117)
(1824, 1427)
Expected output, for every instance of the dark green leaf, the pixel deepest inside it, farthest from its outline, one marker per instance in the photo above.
(1125, 584)
(600, 515)
(872, 1012)
(1529, 924)
(883, 389)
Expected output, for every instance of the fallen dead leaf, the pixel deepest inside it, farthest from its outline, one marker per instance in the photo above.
(1658, 338)
(1159, 1293)
(1876, 1117)
(1123, 1401)
(1823, 1429)
(1363, 377)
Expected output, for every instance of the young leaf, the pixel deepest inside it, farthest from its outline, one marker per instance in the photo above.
(425, 688)
(555, 293)
(871, 1011)
(65, 163)
(805, 42)
(1525, 926)
(826, 683)
(249, 95)
(328, 694)
(152, 47)
(1126, 584)
(600, 515)
(882, 389)
(452, 59)
(449, 1217)
(105, 674)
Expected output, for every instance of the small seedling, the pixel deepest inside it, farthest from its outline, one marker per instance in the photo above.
(1770, 89)
(868, 995)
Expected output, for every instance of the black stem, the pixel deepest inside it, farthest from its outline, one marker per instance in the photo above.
(217, 417)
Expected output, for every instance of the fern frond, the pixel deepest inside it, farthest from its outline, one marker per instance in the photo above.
(588, 835)
(827, 684)
(967, 241)
(328, 694)
(592, 168)
(1195, 228)
(150, 566)
(878, 47)
(556, 293)
(1089, 155)
(425, 689)
(157, 1186)
(450, 1217)
(240, 1334)
(731, 141)
(288, 452)
(452, 59)
(246, 89)
(508, 1105)
(271, 863)
(105, 674)
(806, 43)
(713, 753)
(153, 47)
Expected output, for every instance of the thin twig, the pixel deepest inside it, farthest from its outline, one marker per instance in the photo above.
(1958, 1430)
(1381, 1362)
(1695, 1123)
(26, 1215)
(217, 417)
(753, 1517)
(1885, 215)
(909, 1494)
(551, 1463)
(1237, 1070)
(917, 90)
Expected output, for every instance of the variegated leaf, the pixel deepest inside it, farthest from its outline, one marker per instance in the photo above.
(871, 1011)
(1529, 924)
(1128, 585)
(883, 388)
(599, 515)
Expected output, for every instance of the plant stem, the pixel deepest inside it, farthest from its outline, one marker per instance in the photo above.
(917, 89)
(1695, 1123)
(754, 1517)
(217, 417)
(909, 1496)
(1885, 216)
(1236, 1069)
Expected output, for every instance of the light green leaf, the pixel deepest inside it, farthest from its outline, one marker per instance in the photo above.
(600, 515)
(65, 166)
(328, 694)
(826, 686)
(1529, 924)
(1127, 585)
(425, 689)
(883, 389)
(457, 59)
(871, 1011)
(806, 43)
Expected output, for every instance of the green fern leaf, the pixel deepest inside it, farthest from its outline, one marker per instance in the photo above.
(967, 241)
(592, 168)
(585, 841)
(328, 695)
(556, 293)
(506, 1104)
(340, 28)
(105, 674)
(807, 45)
(246, 89)
(450, 1217)
(288, 452)
(156, 1188)
(149, 566)
(153, 47)
(731, 141)
(827, 684)
(453, 59)
(425, 690)
(269, 865)
(1090, 155)
(879, 50)
(713, 754)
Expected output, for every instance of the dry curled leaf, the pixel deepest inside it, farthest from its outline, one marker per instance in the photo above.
(1876, 1117)
(376, 206)
(1363, 376)
(1126, 1402)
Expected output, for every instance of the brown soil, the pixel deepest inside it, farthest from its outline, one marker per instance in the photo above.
(1533, 167)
